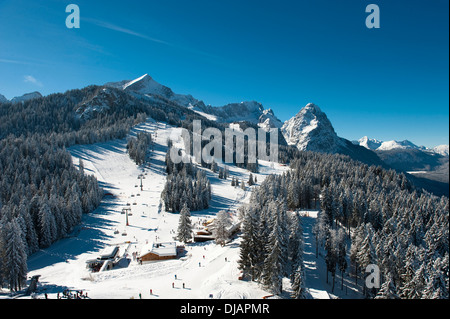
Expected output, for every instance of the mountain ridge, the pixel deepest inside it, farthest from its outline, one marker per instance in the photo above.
(308, 130)
(251, 111)
(378, 145)
(20, 99)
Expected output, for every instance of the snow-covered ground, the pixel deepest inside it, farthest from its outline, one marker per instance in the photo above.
(206, 269)
(315, 268)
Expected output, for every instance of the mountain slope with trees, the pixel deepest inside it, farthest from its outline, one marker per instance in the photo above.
(402, 230)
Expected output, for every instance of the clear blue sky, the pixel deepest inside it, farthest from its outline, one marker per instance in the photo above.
(387, 83)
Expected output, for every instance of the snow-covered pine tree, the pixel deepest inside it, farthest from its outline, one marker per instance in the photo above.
(293, 195)
(320, 230)
(249, 248)
(185, 225)
(221, 225)
(295, 250)
(331, 255)
(387, 290)
(47, 226)
(298, 284)
(326, 204)
(250, 180)
(357, 238)
(365, 256)
(273, 268)
(81, 166)
(15, 255)
(214, 166)
(31, 238)
(341, 254)
(295, 245)
(437, 283)
(419, 283)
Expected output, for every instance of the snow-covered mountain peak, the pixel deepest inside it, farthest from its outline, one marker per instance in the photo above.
(250, 111)
(268, 120)
(369, 143)
(390, 145)
(377, 145)
(311, 130)
(442, 150)
(146, 86)
(311, 107)
(142, 80)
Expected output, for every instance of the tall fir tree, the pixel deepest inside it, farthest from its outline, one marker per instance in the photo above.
(185, 225)
(221, 226)
(15, 256)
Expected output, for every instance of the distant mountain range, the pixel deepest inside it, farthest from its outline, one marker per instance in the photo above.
(376, 145)
(23, 98)
(253, 112)
(308, 130)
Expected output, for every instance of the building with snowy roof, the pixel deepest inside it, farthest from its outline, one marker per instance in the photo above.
(158, 251)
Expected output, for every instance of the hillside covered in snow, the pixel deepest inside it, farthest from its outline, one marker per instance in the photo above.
(91, 201)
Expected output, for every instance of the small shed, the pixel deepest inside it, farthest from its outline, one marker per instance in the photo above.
(158, 251)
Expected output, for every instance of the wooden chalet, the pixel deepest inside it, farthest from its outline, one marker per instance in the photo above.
(158, 251)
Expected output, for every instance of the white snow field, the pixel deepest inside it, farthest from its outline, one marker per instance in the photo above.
(206, 269)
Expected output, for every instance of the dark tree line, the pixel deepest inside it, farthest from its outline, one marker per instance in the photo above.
(185, 184)
(272, 244)
(138, 147)
(43, 197)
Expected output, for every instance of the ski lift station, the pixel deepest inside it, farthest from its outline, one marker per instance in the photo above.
(105, 261)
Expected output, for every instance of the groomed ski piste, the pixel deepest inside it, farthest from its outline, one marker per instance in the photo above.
(204, 270)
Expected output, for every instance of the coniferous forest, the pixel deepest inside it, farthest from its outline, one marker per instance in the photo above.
(185, 185)
(138, 147)
(372, 215)
(42, 194)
